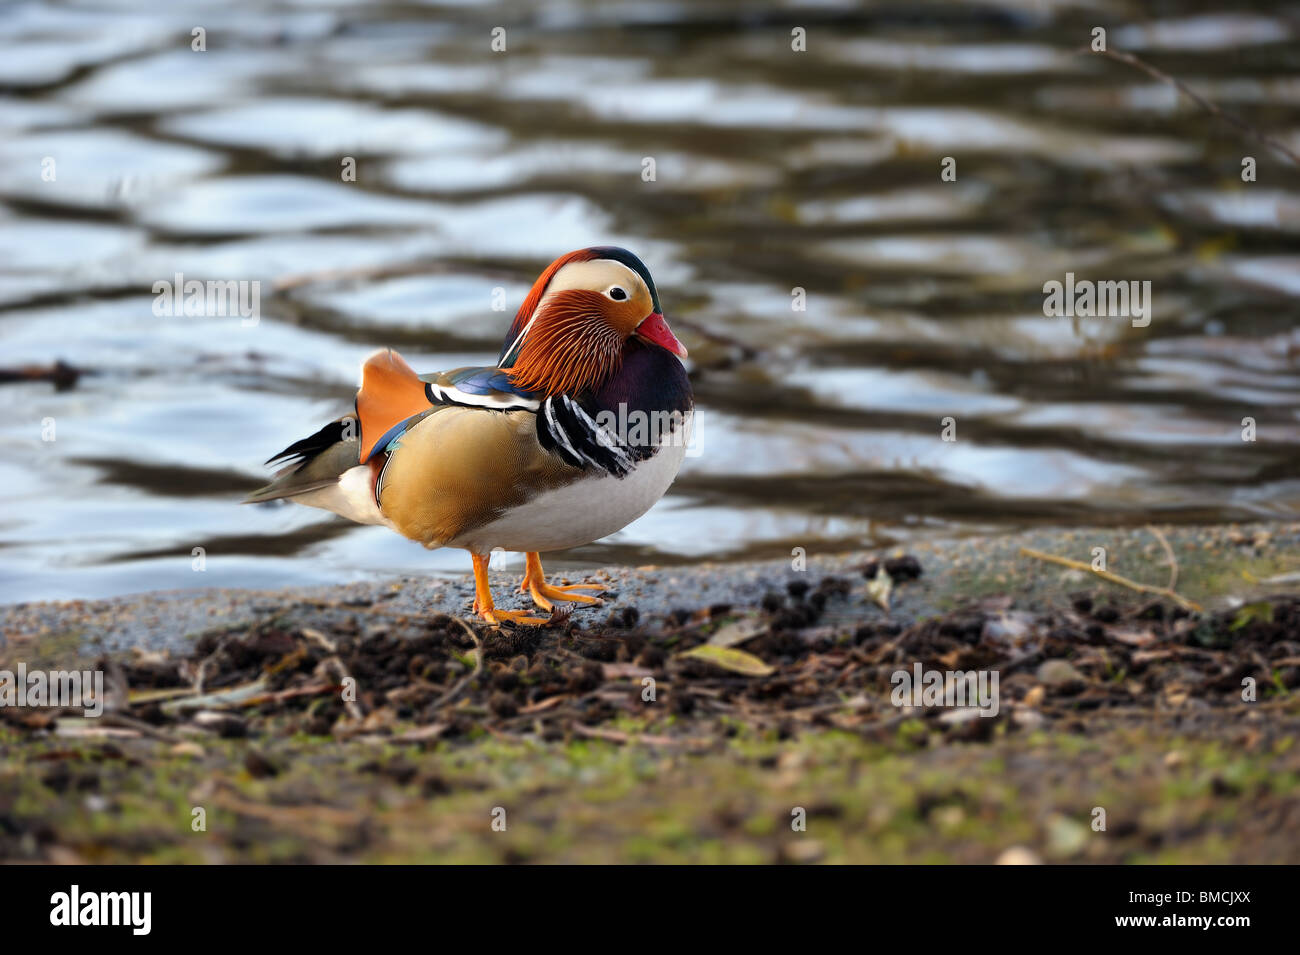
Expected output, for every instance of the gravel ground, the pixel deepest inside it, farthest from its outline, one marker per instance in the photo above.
(1217, 565)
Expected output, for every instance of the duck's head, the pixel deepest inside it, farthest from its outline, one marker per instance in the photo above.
(572, 329)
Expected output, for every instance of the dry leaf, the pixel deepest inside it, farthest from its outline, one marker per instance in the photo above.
(737, 661)
(153, 696)
(737, 632)
(1134, 638)
(879, 588)
(233, 696)
(621, 671)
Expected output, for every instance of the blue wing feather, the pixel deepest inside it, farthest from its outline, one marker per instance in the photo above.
(484, 387)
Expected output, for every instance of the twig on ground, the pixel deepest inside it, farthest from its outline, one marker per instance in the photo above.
(340, 669)
(1169, 552)
(1112, 578)
(320, 639)
(140, 726)
(201, 673)
(465, 680)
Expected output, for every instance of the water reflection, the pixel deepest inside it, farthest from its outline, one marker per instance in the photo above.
(774, 170)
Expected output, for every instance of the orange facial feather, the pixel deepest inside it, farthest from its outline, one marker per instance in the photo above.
(572, 346)
(535, 294)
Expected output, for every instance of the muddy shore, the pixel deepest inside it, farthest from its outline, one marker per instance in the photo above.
(701, 714)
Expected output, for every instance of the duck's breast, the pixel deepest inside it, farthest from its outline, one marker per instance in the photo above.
(585, 510)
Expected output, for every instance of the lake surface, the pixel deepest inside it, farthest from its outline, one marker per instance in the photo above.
(774, 170)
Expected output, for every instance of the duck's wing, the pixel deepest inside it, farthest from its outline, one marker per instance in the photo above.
(460, 467)
(390, 400)
(489, 388)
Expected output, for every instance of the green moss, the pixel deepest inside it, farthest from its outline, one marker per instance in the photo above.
(913, 796)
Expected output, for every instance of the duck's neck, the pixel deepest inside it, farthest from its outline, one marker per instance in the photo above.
(649, 379)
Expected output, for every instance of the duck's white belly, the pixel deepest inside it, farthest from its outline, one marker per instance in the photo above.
(581, 512)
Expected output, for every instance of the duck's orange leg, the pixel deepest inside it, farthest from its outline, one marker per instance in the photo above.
(483, 600)
(543, 593)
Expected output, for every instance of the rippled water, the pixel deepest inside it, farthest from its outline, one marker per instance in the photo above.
(775, 169)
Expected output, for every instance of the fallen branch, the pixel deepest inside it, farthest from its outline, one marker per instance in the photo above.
(62, 375)
(1169, 552)
(1112, 578)
(341, 674)
(122, 721)
(465, 680)
(201, 673)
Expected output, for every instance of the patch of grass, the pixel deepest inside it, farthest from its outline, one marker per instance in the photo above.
(582, 800)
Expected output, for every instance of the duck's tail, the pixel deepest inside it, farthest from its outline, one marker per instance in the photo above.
(314, 462)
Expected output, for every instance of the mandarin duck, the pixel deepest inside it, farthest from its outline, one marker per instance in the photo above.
(577, 431)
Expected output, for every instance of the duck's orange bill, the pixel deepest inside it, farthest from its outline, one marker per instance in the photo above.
(655, 330)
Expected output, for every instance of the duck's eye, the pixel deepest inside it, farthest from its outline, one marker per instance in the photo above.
(617, 294)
